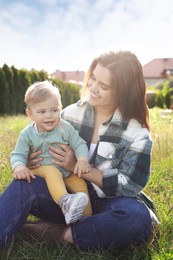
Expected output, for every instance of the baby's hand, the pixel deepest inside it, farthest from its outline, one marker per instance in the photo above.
(21, 172)
(82, 167)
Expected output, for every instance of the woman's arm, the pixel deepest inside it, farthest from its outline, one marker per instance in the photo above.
(131, 169)
(95, 176)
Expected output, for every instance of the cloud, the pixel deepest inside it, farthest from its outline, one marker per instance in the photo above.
(68, 34)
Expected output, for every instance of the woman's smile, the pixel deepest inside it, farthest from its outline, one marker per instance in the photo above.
(93, 95)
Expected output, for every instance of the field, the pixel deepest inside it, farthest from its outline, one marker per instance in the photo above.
(159, 188)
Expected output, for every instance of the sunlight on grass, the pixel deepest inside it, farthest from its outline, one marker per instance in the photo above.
(159, 188)
(10, 128)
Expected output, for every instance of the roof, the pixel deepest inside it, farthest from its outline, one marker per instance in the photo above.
(76, 76)
(158, 68)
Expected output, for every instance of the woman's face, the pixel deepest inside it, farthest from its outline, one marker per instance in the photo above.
(102, 94)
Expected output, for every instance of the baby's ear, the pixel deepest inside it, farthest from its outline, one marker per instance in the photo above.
(28, 112)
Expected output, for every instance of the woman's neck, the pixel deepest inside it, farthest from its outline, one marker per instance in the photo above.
(103, 114)
(100, 117)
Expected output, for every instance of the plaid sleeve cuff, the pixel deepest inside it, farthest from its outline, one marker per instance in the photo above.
(110, 181)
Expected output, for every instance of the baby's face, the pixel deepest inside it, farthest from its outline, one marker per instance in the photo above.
(46, 114)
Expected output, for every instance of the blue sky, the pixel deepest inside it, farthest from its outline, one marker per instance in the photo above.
(68, 34)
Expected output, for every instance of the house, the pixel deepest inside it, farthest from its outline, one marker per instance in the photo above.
(158, 70)
(70, 76)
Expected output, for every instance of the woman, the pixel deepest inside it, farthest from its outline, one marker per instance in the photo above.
(113, 118)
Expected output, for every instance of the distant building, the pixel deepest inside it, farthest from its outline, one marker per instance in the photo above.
(158, 70)
(75, 77)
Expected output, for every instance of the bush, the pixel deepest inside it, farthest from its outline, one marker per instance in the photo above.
(150, 98)
(162, 95)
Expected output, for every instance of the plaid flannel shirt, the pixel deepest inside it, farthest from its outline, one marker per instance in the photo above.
(123, 150)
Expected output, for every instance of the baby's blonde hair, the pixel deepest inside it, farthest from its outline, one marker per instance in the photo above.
(40, 91)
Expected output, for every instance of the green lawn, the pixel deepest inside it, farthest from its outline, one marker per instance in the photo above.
(159, 188)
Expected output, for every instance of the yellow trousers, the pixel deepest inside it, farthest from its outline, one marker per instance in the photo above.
(57, 185)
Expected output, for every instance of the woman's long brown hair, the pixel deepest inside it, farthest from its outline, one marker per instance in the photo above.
(128, 81)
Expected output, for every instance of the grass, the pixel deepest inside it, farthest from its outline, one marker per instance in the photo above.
(159, 188)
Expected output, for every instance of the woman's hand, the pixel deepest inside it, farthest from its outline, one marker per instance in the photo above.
(34, 162)
(63, 157)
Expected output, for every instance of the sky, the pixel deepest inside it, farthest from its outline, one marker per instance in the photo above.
(68, 34)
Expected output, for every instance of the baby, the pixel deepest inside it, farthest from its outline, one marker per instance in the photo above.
(47, 128)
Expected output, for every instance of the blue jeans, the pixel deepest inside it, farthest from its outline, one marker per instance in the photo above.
(118, 221)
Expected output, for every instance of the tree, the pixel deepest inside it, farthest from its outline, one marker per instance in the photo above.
(11, 94)
(4, 94)
(18, 90)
